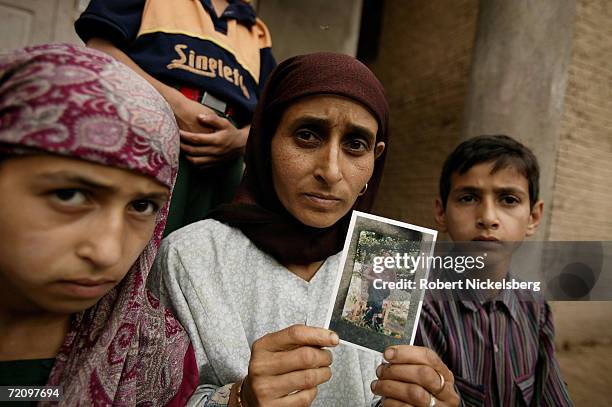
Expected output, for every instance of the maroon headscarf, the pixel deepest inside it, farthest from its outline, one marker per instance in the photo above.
(256, 210)
(80, 103)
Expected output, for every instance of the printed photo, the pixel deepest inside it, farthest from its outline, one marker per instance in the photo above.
(377, 302)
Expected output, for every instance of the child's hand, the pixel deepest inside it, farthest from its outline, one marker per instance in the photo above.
(186, 112)
(223, 143)
(414, 375)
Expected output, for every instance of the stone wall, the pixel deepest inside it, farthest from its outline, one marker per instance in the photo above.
(303, 26)
(423, 62)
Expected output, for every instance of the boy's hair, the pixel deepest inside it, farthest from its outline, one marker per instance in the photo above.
(502, 150)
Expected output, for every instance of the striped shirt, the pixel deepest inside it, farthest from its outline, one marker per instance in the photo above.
(500, 351)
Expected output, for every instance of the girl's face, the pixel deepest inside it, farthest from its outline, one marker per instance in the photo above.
(70, 230)
(323, 155)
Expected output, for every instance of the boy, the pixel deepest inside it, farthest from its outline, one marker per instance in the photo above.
(500, 348)
(209, 59)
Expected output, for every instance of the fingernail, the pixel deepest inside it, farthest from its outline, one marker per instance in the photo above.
(379, 371)
(389, 353)
(334, 338)
(373, 385)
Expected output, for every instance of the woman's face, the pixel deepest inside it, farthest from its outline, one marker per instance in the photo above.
(323, 155)
(70, 230)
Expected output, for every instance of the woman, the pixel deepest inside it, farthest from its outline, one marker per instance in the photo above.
(89, 154)
(251, 284)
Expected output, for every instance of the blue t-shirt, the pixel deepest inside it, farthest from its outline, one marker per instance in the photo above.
(184, 43)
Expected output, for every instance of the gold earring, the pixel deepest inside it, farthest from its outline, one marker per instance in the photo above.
(363, 191)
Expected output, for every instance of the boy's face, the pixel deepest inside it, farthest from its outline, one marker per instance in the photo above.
(489, 206)
(70, 231)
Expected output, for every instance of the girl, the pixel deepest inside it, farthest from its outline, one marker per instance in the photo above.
(89, 154)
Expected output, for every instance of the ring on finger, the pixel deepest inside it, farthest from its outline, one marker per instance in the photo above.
(442, 382)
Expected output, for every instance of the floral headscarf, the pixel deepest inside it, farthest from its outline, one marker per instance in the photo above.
(76, 102)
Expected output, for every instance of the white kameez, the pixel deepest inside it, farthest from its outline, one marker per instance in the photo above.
(227, 293)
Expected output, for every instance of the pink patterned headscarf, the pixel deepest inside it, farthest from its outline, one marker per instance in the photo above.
(77, 102)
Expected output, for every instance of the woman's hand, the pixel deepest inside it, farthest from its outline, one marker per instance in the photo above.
(287, 366)
(414, 376)
(223, 142)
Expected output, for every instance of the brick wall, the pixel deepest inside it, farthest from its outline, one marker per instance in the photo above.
(582, 199)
